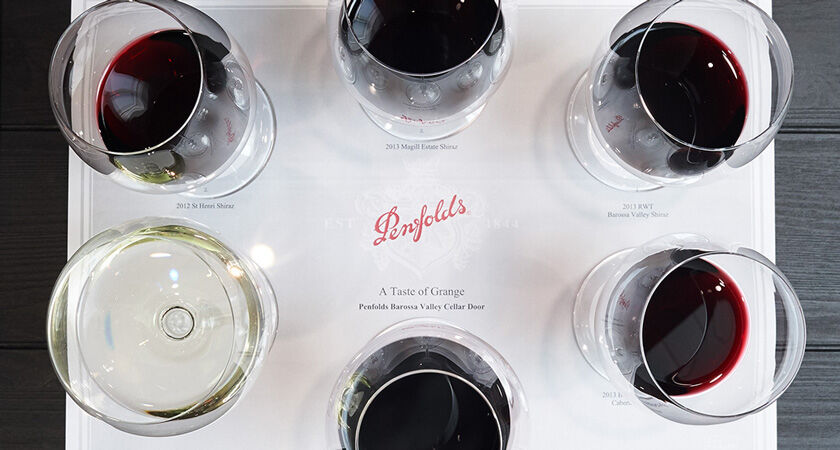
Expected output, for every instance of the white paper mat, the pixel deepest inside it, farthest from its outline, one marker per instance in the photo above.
(536, 224)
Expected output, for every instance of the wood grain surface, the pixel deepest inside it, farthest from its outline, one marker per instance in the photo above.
(808, 229)
(33, 216)
(33, 230)
(812, 28)
(28, 33)
(31, 401)
(809, 410)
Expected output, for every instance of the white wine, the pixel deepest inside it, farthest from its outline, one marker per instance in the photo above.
(166, 322)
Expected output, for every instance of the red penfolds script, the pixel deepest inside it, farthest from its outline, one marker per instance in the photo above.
(389, 226)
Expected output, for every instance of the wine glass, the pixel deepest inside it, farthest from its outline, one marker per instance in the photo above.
(422, 70)
(678, 89)
(158, 97)
(157, 328)
(698, 332)
(424, 383)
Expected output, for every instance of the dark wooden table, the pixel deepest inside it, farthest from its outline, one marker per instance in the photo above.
(33, 220)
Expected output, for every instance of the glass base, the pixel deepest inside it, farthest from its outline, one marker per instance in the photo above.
(252, 159)
(589, 151)
(425, 132)
(586, 307)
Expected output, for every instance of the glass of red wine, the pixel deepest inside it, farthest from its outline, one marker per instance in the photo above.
(698, 332)
(425, 383)
(158, 328)
(158, 97)
(678, 89)
(422, 69)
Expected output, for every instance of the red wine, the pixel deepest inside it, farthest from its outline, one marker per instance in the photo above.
(424, 36)
(424, 393)
(149, 91)
(695, 329)
(693, 85)
(429, 410)
(694, 88)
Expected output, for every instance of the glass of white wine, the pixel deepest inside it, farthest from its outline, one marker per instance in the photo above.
(157, 328)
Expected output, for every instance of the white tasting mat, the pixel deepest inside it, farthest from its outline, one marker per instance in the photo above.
(537, 223)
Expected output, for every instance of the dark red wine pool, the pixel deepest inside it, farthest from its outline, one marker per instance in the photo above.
(423, 36)
(693, 85)
(694, 89)
(148, 91)
(429, 410)
(695, 328)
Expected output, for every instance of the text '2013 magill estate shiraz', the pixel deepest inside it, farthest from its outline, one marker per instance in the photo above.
(695, 328)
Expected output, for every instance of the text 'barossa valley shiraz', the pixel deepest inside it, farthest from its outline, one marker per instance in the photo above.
(424, 36)
(695, 329)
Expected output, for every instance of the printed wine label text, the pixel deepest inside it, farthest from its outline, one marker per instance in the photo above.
(390, 227)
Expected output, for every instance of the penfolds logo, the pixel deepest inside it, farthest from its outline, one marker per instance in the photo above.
(407, 119)
(229, 133)
(389, 226)
(622, 300)
(615, 123)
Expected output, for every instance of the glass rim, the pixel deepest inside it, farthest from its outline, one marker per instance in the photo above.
(346, 18)
(779, 386)
(780, 114)
(427, 327)
(54, 102)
